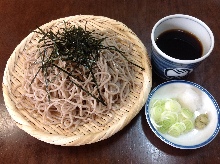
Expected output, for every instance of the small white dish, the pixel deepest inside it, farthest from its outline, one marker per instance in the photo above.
(195, 138)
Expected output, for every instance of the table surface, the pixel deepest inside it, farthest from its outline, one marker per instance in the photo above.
(136, 143)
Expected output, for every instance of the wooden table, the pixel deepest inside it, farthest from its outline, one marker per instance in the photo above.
(136, 143)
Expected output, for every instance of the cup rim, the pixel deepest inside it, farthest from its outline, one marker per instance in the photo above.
(178, 60)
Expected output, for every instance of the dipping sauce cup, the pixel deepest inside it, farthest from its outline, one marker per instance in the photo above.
(170, 66)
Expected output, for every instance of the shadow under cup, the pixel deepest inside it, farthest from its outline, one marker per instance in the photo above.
(168, 67)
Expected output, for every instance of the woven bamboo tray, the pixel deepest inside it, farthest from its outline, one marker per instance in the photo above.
(87, 133)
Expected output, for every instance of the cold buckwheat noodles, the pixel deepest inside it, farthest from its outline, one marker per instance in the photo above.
(69, 106)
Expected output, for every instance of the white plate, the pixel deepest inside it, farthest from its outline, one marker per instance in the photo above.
(195, 138)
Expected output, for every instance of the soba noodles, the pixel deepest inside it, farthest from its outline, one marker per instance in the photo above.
(70, 106)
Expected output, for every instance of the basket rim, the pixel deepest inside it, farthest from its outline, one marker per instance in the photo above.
(77, 140)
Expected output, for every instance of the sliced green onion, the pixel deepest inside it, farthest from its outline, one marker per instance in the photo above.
(163, 126)
(189, 125)
(172, 105)
(169, 117)
(187, 113)
(172, 117)
(156, 113)
(177, 129)
(158, 103)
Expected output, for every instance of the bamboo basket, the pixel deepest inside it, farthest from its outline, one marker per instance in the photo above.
(89, 132)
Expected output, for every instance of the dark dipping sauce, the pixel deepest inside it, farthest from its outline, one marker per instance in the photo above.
(180, 44)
